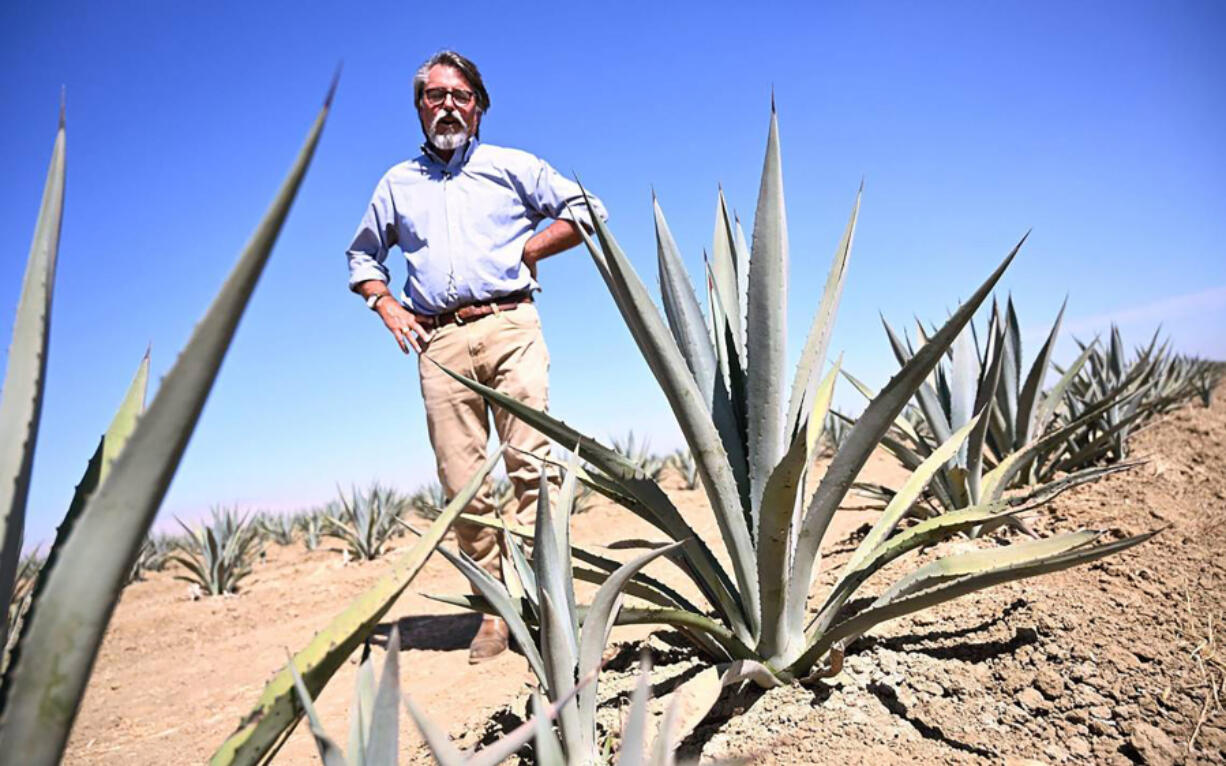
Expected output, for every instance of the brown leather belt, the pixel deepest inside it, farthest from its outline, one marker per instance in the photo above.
(472, 311)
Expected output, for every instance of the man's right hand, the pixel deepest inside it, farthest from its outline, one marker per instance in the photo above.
(403, 325)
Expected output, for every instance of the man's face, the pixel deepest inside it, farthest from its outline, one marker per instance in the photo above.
(447, 124)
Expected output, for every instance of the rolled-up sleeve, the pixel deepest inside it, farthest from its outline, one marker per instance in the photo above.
(554, 196)
(368, 252)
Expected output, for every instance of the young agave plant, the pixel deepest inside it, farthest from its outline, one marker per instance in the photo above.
(540, 592)
(367, 522)
(754, 449)
(219, 555)
(124, 482)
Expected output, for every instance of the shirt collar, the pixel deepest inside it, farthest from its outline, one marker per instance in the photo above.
(458, 157)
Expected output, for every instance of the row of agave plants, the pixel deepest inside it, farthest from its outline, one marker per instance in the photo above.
(752, 449)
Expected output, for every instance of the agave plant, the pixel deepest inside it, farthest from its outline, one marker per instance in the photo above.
(219, 555)
(124, 482)
(150, 558)
(639, 452)
(311, 524)
(1018, 440)
(366, 522)
(540, 592)
(1112, 419)
(755, 448)
(277, 527)
(684, 464)
(428, 500)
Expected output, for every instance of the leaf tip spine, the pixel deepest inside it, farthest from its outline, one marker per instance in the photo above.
(336, 79)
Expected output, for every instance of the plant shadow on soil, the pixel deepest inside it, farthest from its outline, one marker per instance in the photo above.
(431, 632)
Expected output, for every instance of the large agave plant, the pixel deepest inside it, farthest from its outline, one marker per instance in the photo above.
(755, 444)
(124, 483)
(541, 594)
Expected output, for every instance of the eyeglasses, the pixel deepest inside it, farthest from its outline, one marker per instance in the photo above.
(436, 96)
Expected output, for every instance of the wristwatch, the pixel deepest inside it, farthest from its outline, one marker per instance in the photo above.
(372, 302)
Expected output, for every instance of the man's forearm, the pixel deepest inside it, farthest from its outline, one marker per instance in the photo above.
(554, 238)
(373, 287)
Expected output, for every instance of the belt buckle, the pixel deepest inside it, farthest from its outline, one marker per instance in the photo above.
(459, 320)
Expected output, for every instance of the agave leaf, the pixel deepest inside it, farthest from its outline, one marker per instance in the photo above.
(1029, 397)
(634, 733)
(724, 268)
(548, 751)
(686, 320)
(778, 503)
(767, 325)
(907, 495)
(818, 408)
(360, 710)
(899, 422)
(96, 470)
(696, 424)
(551, 564)
(926, 532)
(21, 401)
(63, 637)
(985, 405)
(816, 344)
(275, 711)
(864, 437)
(962, 388)
(383, 744)
(681, 307)
(557, 640)
(596, 624)
(329, 752)
(844, 632)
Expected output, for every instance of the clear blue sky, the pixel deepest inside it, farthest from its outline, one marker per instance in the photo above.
(1097, 124)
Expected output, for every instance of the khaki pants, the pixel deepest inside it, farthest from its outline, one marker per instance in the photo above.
(506, 352)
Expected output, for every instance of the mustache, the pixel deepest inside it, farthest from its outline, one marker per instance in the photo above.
(438, 118)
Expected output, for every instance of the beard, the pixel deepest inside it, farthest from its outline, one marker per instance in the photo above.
(449, 136)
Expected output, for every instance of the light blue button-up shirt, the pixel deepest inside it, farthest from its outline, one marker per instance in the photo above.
(462, 224)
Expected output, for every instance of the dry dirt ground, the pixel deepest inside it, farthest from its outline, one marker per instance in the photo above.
(1118, 662)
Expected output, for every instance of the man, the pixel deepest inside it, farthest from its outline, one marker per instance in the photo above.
(464, 214)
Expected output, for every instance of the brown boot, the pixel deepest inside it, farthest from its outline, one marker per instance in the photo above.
(490, 641)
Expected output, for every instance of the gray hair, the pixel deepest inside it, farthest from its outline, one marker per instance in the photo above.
(462, 65)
